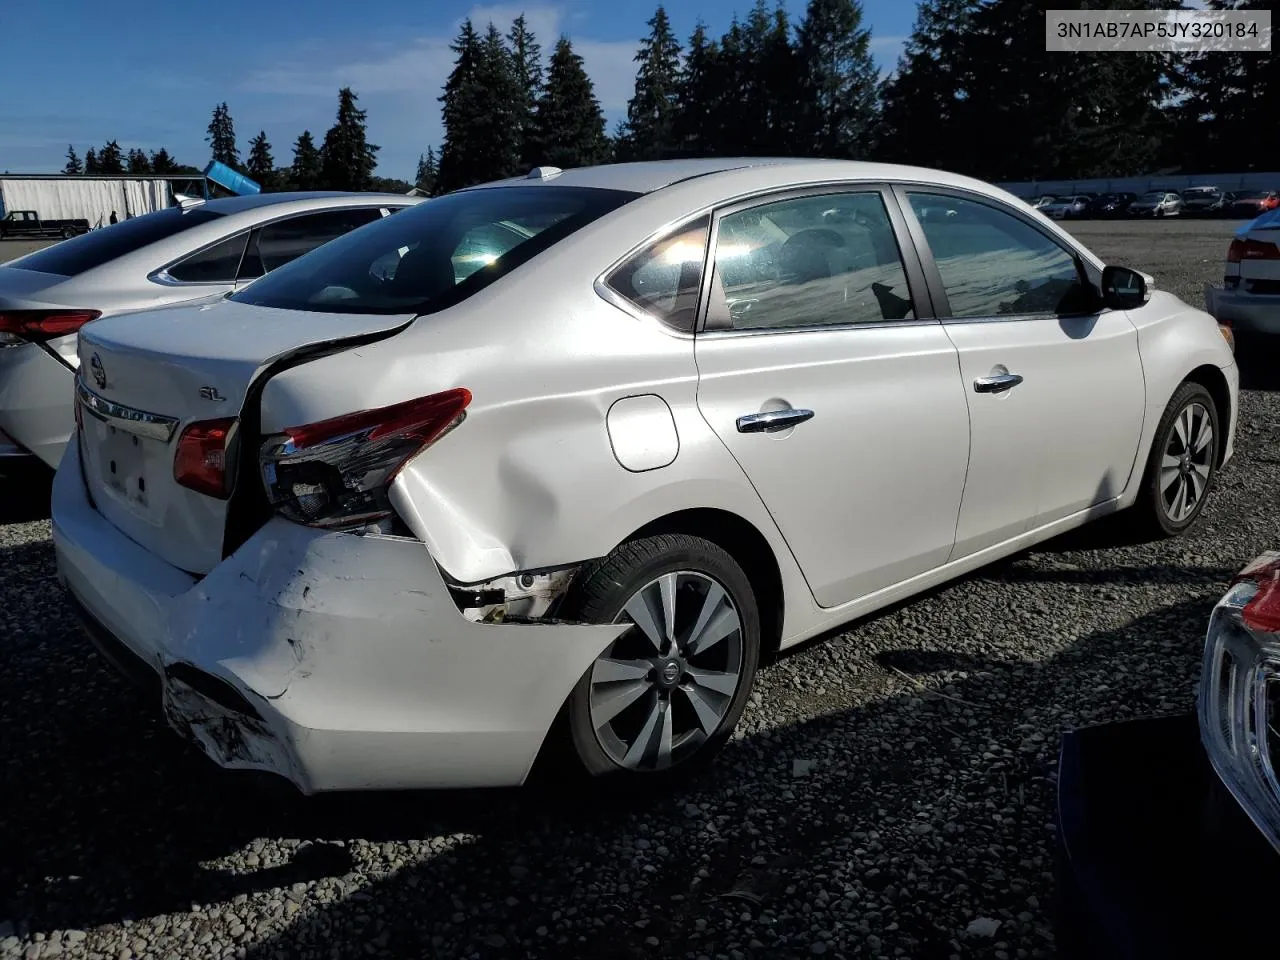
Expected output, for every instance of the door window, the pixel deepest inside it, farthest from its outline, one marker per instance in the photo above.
(216, 264)
(994, 264)
(664, 279)
(277, 243)
(808, 262)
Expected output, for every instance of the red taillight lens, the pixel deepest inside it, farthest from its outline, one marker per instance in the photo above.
(204, 458)
(336, 473)
(1262, 612)
(40, 325)
(1252, 250)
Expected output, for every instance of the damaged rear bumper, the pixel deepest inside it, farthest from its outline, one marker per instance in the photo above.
(339, 662)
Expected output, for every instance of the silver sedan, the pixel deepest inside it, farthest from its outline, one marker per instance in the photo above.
(172, 256)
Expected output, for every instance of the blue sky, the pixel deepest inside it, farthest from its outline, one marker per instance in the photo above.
(83, 72)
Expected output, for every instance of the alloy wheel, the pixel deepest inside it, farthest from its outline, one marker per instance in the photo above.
(1187, 463)
(665, 686)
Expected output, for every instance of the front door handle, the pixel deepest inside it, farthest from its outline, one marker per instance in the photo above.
(997, 384)
(772, 421)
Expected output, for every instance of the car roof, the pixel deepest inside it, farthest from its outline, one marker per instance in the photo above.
(301, 199)
(653, 175)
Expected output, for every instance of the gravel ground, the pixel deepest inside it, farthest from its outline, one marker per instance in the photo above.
(890, 786)
(12, 249)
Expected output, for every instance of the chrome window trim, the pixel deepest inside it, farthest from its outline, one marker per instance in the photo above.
(152, 426)
(815, 328)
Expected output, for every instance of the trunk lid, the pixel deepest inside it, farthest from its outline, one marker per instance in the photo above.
(144, 377)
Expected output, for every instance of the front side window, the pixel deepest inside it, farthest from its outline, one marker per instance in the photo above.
(994, 264)
(215, 264)
(434, 255)
(664, 278)
(819, 261)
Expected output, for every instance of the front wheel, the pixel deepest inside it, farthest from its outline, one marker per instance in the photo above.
(668, 692)
(1181, 465)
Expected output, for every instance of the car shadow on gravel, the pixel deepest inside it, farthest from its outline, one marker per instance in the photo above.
(917, 804)
(24, 492)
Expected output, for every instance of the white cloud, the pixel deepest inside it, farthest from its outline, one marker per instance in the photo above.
(423, 63)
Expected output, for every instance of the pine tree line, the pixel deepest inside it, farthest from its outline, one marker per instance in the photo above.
(974, 91)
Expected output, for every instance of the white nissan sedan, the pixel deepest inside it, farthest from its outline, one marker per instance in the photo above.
(553, 462)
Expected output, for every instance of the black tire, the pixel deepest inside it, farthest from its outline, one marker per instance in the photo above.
(67, 233)
(1151, 513)
(599, 595)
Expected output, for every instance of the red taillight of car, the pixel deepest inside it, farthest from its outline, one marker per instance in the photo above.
(205, 460)
(37, 326)
(337, 473)
(1262, 612)
(1249, 249)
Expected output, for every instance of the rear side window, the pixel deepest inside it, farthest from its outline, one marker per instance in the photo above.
(216, 264)
(78, 254)
(281, 242)
(664, 279)
(434, 255)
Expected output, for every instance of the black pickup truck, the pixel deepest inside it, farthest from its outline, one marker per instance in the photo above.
(27, 225)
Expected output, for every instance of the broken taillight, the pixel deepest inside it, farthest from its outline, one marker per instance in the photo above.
(38, 326)
(204, 455)
(1249, 249)
(337, 473)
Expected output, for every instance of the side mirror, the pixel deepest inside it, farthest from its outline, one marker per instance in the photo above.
(1124, 289)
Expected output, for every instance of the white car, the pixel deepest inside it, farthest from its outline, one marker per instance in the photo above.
(177, 255)
(1248, 300)
(554, 461)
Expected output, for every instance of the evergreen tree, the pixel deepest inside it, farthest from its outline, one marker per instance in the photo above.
(428, 172)
(1031, 114)
(1222, 120)
(222, 137)
(110, 159)
(139, 162)
(74, 167)
(840, 82)
(481, 101)
(260, 166)
(697, 101)
(161, 162)
(779, 65)
(462, 96)
(526, 64)
(931, 81)
(650, 129)
(91, 162)
(306, 170)
(570, 126)
(347, 159)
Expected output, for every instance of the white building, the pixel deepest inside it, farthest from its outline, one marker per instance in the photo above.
(93, 198)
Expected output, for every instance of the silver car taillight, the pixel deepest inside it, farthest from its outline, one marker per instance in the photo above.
(1239, 702)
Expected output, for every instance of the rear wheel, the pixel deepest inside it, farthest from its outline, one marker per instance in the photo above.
(1181, 465)
(666, 695)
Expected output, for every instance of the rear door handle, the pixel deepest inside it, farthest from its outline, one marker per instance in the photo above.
(997, 384)
(773, 421)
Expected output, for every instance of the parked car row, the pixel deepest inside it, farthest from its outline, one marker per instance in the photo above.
(1206, 201)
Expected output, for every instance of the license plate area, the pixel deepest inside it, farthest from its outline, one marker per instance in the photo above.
(123, 463)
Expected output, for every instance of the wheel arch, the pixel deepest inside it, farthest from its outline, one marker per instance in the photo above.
(1214, 380)
(743, 541)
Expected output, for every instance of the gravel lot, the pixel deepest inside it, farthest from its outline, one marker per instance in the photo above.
(890, 786)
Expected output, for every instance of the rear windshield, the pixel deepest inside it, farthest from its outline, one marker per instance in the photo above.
(433, 255)
(1251, 195)
(93, 249)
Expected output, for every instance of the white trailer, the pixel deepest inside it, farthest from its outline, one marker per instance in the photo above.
(60, 197)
